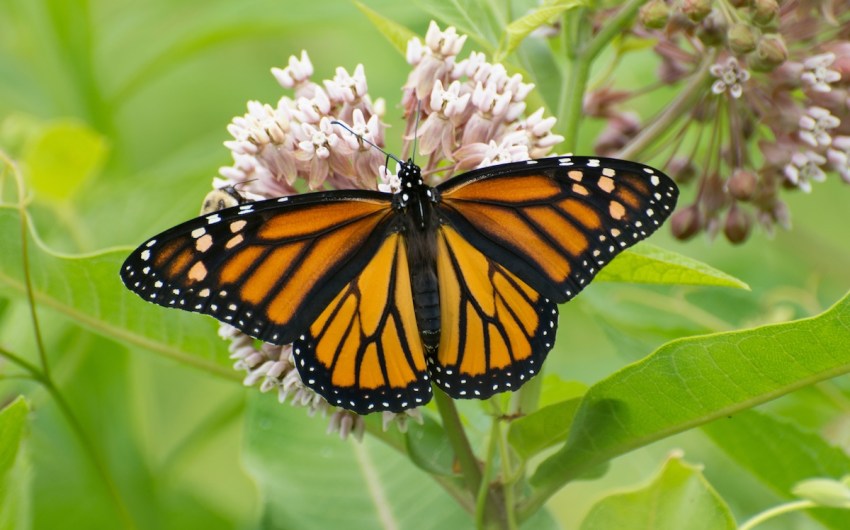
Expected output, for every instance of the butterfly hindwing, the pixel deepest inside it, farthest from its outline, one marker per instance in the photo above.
(555, 222)
(363, 352)
(269, 267)
(495, 329)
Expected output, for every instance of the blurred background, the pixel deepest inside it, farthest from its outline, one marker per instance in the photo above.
(116, 112)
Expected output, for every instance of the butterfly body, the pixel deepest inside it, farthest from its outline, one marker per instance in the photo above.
(415, 203)
(383, 294)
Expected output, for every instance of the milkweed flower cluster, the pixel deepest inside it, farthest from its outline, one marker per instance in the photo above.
(763, 106)
(471, 113)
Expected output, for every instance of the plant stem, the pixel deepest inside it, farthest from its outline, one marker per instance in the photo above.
(678, 108)
(508, 476)
(575, 82)
(460, 443)
(487, 477)
(776, 511)
(583, 53)
(88, 447)
(493, 510)
(21, 206)
(42, 373)
(92, 453)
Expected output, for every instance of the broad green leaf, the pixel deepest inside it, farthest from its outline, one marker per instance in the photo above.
(397, 34)
(429, 447)
(62, 157)
(520, 28)
(555, 390)
(310, 480)
(87, 290)
(541, 429)
(679, 497)
(690, 382)
(550, 424)
(647, 263)
(781, 455)
(14, 468)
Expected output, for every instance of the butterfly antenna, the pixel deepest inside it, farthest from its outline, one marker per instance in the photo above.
(347, 128)
(416, 129)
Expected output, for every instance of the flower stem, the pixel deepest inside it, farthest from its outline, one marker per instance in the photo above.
(481, 499)
(460, 443)
(583, 52)
(493, 510)
(776, 511)
(675, 111)
(21, 206)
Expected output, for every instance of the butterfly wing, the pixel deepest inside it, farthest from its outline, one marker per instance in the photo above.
(556, 222)
(495, 329)
(517, 239)
(269, 267)
(363, 352)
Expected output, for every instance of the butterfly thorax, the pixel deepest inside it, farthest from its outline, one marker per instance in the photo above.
(415, 201)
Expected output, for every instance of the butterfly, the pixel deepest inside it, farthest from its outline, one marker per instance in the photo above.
(383, 294)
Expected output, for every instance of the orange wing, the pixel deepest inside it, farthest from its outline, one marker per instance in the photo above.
(495, 329)
(268, 268)
(363, 352)
(556, 222)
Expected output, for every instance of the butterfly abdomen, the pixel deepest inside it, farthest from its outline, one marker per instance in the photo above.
(420, 222)
(426, 304)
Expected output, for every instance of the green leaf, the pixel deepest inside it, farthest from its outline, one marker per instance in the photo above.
(310, 480)
(679, 497)
(87, 290)
(397, 34)
(781, 455)
(14, 470)
(520, 28)
(690, 382)
(62, 157)
(647, 263)
(541, 429)
(555, 390)
(429, 447)
(550, 424)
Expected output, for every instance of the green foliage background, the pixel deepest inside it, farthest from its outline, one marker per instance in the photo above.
(116, 111)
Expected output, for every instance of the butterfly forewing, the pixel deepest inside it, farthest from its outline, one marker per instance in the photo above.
(495, 329)
(555, 222)
(363, 352)
(268, 268)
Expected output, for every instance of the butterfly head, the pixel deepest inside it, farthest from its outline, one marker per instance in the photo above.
(410, 175)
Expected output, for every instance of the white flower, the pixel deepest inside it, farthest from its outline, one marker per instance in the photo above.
(816, 72)
(449, 102)
(804, 168)
(296, 73)
(730, 77)
(815, 126)
(839, 156)
(347, 88)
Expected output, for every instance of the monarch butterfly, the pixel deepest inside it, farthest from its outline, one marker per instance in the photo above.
(382, 294)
